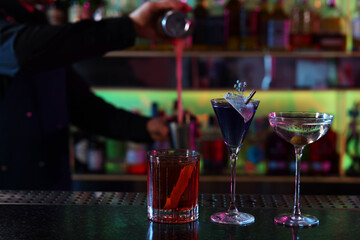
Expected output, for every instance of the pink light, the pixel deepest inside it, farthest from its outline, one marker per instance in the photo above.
(86, 4)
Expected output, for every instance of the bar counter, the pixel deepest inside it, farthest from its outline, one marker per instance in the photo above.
(122, 215)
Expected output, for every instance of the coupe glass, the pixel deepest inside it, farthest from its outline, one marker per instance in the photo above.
(299, 129)
(234, 129)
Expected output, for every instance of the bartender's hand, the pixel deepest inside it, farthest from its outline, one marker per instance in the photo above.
(158, 129)
(145, 17)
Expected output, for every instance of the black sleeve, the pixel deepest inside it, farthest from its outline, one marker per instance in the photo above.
(43, 47)
(92, 114)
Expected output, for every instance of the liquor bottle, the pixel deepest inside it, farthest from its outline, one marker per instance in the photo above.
(75, 11)
(106, 10)
(113, 10)
(316, 26)
(89, 152)
(279, 28)
(80, 142)
(200, 35)
(324, 160)
(332, 35)
(136, 158)
(253, 151)
(278, 152)
(56, 13)
(249, 13)
(263, 18)
(300, 26)
(216, 33)
(86, 10)
(115, 156)
(352, 149)
(355, 24)
(232, 24)
(96, 155)
(213, 149)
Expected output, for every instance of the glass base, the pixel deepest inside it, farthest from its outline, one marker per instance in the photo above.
(237, 218)
(303, 221)
(169, 216)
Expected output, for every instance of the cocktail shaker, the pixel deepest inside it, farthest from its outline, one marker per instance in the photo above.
(175, 24)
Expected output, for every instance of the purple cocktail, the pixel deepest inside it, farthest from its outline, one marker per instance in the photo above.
(234, 124)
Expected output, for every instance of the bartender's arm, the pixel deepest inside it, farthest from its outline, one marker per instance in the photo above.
(93, 114)
(36, 48)
(28, 49)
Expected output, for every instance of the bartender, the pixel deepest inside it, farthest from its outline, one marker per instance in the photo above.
(40, 95)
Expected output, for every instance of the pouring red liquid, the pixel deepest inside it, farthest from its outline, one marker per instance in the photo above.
(179, 49)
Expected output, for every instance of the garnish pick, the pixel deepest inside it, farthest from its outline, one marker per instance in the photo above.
(250, 96)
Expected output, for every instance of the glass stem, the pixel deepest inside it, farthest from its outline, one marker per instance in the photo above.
(233, 158)
(295, 233)
(298, 152)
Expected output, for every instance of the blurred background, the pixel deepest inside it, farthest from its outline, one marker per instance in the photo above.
(299, 56)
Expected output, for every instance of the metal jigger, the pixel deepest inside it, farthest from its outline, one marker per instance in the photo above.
(183, 136)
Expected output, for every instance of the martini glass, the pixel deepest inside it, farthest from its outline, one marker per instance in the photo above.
(234, 129)
(299, 129)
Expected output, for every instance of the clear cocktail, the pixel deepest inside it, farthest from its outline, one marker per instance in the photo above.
(299, 129)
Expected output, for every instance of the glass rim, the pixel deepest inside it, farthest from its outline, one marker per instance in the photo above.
(297, 114)
(181, 155)
(215, 100)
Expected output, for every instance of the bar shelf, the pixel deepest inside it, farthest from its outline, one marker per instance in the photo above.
(235, 54)
(221, 178)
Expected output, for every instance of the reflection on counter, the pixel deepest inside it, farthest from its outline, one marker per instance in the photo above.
(172, 231)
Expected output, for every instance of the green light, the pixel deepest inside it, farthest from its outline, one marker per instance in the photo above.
(198, 102)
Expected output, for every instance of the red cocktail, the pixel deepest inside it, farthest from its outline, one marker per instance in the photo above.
(172, 186)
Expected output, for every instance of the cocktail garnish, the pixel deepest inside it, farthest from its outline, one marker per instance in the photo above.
(181, 184)
(248, 99)
(240, 86)
(298, 140)
(241, 103)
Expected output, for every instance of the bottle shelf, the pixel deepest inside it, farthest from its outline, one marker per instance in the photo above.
(235, 54)
(222, 178)
(338, 102)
